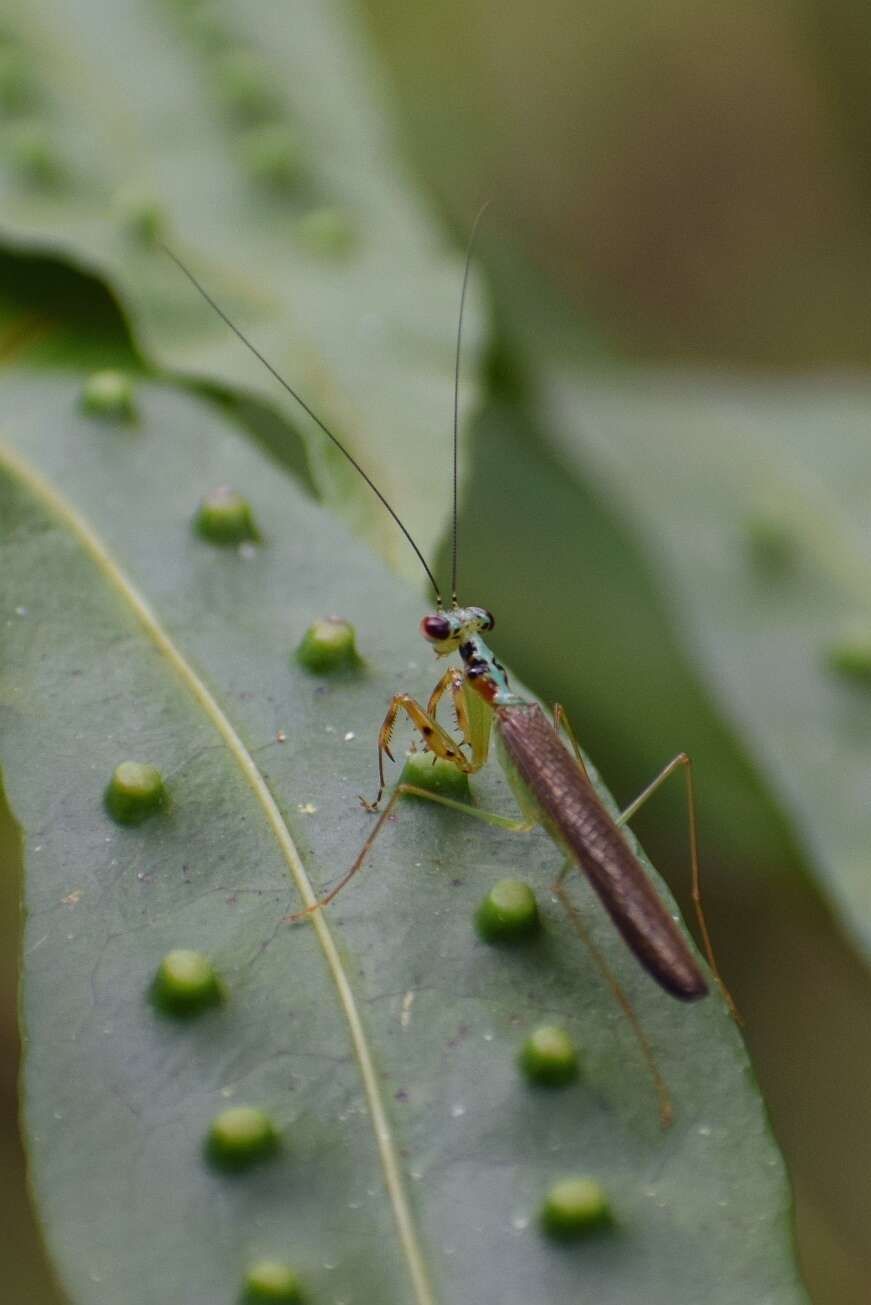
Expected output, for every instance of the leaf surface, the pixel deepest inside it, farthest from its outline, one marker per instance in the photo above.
(383, 1039)
(145, 109)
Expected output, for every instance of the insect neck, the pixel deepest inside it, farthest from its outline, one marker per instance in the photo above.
(485, 674)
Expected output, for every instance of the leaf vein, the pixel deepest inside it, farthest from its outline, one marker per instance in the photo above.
(93, 545)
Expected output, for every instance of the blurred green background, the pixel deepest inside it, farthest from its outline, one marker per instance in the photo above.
(688, 185)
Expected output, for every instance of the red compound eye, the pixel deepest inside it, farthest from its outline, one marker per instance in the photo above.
(435, 628)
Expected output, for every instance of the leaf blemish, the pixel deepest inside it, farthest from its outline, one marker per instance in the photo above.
(109, 396)
(186, 983)
(225, 517)
(240, 1137)
(850, 656)
(508, 913)
(135, 792)
(272, 1280)
(548, 1057)
(575, 1207)
(329, 645)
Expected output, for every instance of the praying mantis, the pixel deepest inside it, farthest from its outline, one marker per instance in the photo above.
(549, 780)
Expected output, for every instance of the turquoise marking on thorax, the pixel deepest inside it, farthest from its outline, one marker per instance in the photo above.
(460, 631)
(483, 669)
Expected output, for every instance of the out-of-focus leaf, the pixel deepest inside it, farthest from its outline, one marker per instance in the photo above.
(750, 503)
(254, 140)
(381, 1040)
(52, 315)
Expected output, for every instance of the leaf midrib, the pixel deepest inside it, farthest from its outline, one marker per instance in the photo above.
(94, 547)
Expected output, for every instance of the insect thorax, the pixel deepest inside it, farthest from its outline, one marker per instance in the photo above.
(485, 673)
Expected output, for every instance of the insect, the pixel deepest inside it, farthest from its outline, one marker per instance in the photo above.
(550, 782)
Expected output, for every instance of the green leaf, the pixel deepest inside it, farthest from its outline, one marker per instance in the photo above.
(380, 1039)
(154, 112)
(750, 504)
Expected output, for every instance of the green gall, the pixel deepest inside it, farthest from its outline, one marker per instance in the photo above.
(548, 1057)
(17, 89)
(329, 645)
(206, 27)
(240, 1137)
(850, 656)
(109, 395)
(426, 770)
(575, 1207)
(771, 538)
(185, 983)
(225, 517)
(326, 232)
(243, 85)
(33, 155)
(271, 156)
(508, 913)
(270, 1280)
(139, 216)
(135, 792)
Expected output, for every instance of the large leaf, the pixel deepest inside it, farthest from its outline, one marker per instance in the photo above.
(381, 1038)
(750, 503)
(150, 115)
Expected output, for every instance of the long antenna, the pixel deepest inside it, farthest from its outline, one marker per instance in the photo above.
(454, 552)
(302, 403)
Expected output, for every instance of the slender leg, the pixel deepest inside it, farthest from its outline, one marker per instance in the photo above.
(682, 759)
(561, 721)
(665, 1106)
(361, 857)
(452, 679)
(490, 817)
(435, 737)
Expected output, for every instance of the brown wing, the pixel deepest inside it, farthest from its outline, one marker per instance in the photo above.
(575, 815)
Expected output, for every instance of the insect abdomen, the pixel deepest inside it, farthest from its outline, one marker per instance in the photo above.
(573, 812)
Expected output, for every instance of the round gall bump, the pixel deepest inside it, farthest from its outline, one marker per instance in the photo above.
(108, 395)
(185, 983)
(271, 1280)
(204, 24)
(508, 913)
(17, 88)
(240, 1137)
(243, 85)
(138, 215)
(326, 232)
(436, 628)
(34, 156)
(425, 771)
(574, 1208)
(548, 1057)
(271, 155)
(850, 657)
(329, 645)
(135, 792)
(771, 542)
(225, 517)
